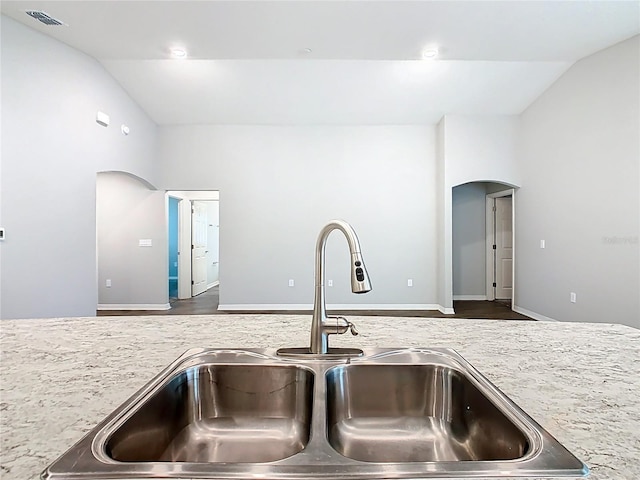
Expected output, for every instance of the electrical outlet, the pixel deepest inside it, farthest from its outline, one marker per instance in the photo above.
(573, 297)
(291, 282)
(410, 282)
(108, 283)
(330, 283)
(542, 244)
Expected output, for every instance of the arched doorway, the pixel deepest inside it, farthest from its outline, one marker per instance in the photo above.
(131, 243)
(482, 241)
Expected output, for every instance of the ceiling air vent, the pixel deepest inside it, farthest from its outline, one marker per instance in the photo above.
(44, 17)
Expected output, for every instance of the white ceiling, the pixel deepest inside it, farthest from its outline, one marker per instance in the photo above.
(247, 63)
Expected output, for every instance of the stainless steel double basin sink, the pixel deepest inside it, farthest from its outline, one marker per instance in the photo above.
(250, 414)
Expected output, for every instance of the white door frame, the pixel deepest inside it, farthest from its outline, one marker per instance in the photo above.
(490, 231)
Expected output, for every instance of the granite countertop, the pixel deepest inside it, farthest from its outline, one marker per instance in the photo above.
(60, 377)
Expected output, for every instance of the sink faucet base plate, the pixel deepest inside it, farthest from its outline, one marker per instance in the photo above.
(305, 352)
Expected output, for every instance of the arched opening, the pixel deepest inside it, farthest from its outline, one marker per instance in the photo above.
(131, 243)
(482, 243)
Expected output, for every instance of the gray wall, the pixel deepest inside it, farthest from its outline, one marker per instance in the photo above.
(280, 185)
(471, 148)
(578, 168)
(469, 240)
(481, 148)
(579, 152)
(51, 150)
(128, 211)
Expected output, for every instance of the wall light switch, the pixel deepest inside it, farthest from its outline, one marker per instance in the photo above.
(291, 282)
(145, 242)
(542, 243)
(410, 282)
(102, 119)
(330, 283)
(108, 283)
(573, 297)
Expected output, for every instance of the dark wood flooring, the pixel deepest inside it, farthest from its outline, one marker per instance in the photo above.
(207, 304)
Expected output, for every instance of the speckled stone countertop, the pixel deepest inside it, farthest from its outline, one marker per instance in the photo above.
(60, 377)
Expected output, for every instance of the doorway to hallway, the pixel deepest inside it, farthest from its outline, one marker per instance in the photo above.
(194, 238)
(482, 242)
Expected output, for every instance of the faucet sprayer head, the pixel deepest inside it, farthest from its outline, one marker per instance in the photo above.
(360, 282)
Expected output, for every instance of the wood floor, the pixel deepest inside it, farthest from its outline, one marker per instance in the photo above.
(207, 304)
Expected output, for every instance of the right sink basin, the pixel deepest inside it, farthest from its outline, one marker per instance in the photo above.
(416, 413)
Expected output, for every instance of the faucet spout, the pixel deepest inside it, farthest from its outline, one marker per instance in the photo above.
(360, 283)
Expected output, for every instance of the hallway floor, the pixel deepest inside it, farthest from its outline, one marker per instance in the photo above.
(207, 304)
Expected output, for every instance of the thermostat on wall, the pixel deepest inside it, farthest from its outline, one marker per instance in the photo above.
(1, 233)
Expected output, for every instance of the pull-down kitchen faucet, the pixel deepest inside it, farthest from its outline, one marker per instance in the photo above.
(321, 325)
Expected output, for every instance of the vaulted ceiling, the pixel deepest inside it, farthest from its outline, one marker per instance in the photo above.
(334, 62)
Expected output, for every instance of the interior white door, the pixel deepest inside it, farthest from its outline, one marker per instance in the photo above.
(504, 248)
(198, 248)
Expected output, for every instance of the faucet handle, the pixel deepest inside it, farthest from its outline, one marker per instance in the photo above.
(340, 326)
(352, 327)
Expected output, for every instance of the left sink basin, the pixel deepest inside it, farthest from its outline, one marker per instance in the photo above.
(219, 413)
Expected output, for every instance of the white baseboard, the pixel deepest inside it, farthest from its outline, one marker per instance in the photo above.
(333, 306)
(134, 306)
(534, 315)
(383, 306)
(264, 306)
(213, 284)
(470, 297)
(446, 311)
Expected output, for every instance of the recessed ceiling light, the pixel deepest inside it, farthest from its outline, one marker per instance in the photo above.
(178, 53)
(429, 53)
